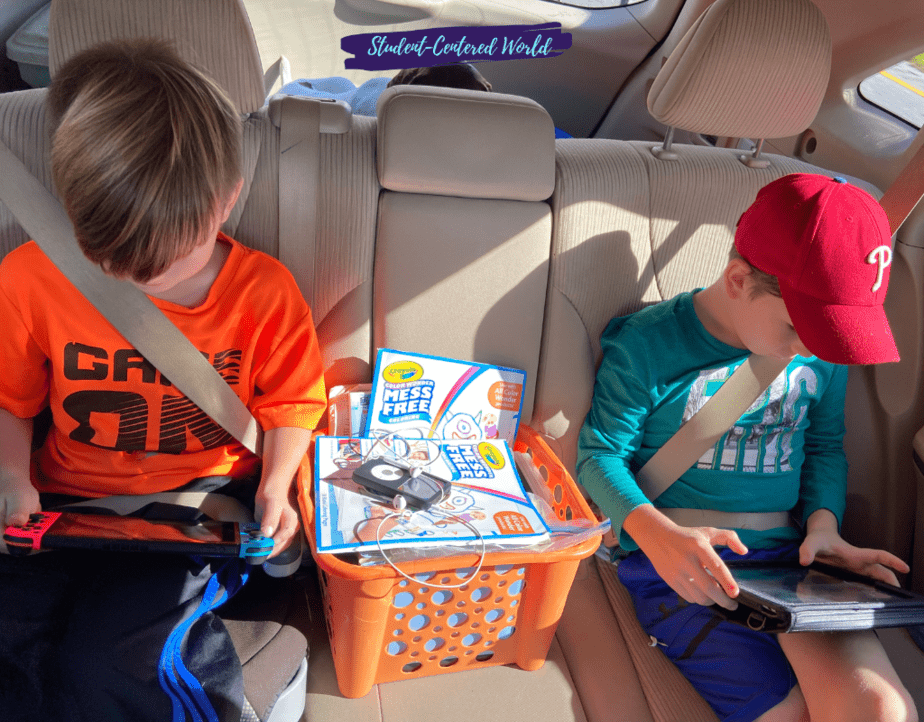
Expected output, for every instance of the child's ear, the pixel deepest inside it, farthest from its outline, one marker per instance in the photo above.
(737, 278)
(231, 200)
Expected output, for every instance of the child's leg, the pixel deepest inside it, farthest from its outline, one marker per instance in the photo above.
(124, 610)
(847, 676)
(35, 601)
(791, 709)
(741, 673)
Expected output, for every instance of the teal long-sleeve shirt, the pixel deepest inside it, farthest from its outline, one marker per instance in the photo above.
(659, 366)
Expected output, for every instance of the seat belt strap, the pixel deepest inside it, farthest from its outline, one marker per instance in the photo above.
(906, 190)
(709, 424)
(299, 121)
(129, 310)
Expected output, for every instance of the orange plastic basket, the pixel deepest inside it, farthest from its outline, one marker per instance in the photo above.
(385, 628)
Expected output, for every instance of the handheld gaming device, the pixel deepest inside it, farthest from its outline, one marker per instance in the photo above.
(70, 530)
(399, 486)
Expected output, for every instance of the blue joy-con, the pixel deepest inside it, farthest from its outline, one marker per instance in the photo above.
(255, 547)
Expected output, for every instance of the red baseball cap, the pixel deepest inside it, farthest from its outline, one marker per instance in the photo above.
(829, 244)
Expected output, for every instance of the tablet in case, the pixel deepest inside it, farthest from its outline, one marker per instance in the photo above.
(787, 597)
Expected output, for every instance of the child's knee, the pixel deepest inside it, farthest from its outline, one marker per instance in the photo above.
(895, 704)
(876, 701)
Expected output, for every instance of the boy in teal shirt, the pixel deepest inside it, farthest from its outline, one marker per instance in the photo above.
(806, 282)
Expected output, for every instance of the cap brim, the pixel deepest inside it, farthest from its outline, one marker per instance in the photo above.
(841, 334)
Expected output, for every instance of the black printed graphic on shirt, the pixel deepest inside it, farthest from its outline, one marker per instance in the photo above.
(128, 414)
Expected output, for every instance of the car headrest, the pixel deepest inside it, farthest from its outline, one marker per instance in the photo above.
(469, 143)
(746, 69)
(215, 35)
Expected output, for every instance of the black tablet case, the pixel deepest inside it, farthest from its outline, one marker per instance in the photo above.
(781, 597)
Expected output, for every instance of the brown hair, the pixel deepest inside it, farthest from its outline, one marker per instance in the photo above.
(763, 282)
(144, 149)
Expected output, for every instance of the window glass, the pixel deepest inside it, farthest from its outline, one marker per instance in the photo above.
(899, 90)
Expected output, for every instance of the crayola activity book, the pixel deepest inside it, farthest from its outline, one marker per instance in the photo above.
(486, 494)
(422, 396)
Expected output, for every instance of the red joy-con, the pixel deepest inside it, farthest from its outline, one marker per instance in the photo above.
(29, 535)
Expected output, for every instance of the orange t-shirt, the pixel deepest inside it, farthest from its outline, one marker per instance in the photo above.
(119, 426)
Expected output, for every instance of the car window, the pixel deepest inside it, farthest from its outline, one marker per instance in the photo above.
(899, 90)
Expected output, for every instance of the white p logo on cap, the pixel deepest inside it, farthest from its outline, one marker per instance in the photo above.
(882, 257)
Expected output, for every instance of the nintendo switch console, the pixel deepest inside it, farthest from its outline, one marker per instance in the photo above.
(70, 530)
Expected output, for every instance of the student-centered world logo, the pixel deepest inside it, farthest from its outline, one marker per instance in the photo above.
(442, 46)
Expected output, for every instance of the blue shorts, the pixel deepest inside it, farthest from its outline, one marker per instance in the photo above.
(739, 672)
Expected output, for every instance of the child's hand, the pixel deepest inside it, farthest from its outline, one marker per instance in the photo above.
(278, 519)
(684, 556)
(826, 545)
(17, 501)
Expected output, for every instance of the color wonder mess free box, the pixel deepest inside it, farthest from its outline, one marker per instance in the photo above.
(422, 396)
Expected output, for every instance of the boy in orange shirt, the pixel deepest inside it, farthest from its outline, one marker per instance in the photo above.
(145, 155)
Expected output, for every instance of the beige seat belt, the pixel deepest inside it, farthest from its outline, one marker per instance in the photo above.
(301, 121)
(132, 313)
(751, 379)
(906, 190)
(216, 506)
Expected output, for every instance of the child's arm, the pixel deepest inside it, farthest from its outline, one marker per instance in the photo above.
(611, 436)
(823, 478)
(824, 543)
(18, 498)
(824, 490)
(275, 507)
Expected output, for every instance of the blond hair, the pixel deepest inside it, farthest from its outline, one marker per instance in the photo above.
(763, 283)
(145, 148)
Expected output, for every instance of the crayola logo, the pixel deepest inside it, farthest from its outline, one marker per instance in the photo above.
(491, 455)
(402, 372)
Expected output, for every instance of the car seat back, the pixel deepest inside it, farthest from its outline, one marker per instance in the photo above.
(462, 245)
